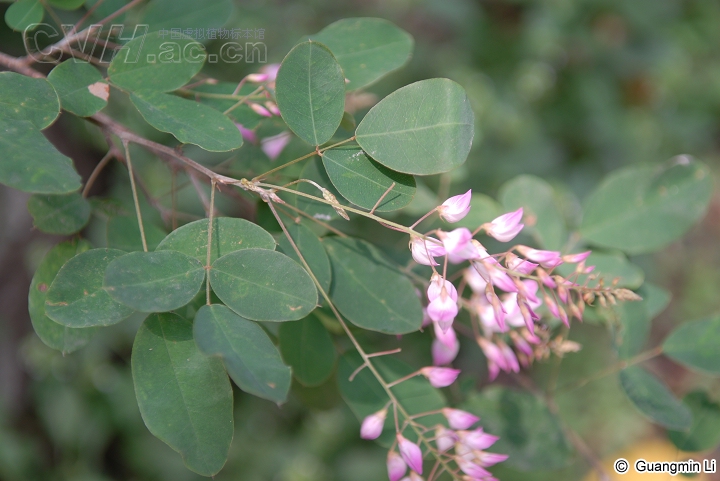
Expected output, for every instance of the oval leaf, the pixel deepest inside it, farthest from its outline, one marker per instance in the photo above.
(696, 344)
(423, 128)
(77, 297)
(154, 281)
(56, 336)
(367, 49)
(189, 121)
(307, 346)
(263, 285)
(59, 214)
(151, 62)
(369, 291)
(185, 398)
(80, 87)
(27, 98)
(312, 250)
(250, 357)
(641, 209)
(540, 209)
(704, 433)
(23, 13)
(529, 432)
(229, 235)
(30, 163)
(653, 399)
(310, 91)
(363, 181)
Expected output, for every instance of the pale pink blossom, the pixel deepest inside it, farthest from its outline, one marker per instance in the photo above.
(442, 354)
(511, 359)
(447, 337)
(576, 258)
(473, 470)
(411, 453)
(440, 376)
(260, 110)
(396, 466)
(273, 146)
(257, 77)
(444, 438)
(458, 245)
(271, 71)
(473, 278)
(517, 264)
(505, 227)
(272, 108)
(477, 439)
(425, 251)
(455, 208)
(372, 425)
(436, 286)
(247, 134)
(547, 259)
(490, 459)
(443, 309)
(495, 359)
(459, 419)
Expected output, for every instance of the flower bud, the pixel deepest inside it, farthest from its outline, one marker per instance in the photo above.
(425, 251)
(459, 419)
(505, 227)
(273, 108)
(443, 354)
(247, 134)
(372, 425)
(440, 376)
(576, 258)
(547, 259)
(260, 110)
(443, 310)
(273, 146)
(437, 284)
(411, 453)
(473, 470)
(396, 466)
(455, 208)
(458, 245)
(477, 439)
(444, 438)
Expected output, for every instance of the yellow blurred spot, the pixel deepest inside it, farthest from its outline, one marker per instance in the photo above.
(650, 450)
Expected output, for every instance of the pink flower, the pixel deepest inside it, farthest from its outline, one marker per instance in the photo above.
(515, 263)
(437, 284)
(260, 110)
(247, 134)
(257, 77)
(425, 251)
(271, 70)
(444, 438)
(547, 259)
(477, 439)
(459, 419)
(273, 108)
(495, 359)
(440, 376)
(458, 245)
(490, 459)
(505, 227)
(396, 466)
(410, 453)
(442, 354)
(372, 425)
(473, 278)
(273, 146)
(575, 258)
(473, 470)
(455, 208)
(447, 337)
(511, 360)
(443, 308)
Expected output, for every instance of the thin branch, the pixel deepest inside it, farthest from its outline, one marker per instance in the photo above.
(392, 186)
(135, 196)
(96, 171)
(209, 241)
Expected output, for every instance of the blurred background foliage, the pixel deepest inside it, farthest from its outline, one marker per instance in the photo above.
(567, 90)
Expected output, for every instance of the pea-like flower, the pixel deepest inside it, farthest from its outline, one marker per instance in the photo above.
(396, 466)
(456, 207)
(411, 453)
(459, 419)
(372, 425)
(440, 376)
(505, 227)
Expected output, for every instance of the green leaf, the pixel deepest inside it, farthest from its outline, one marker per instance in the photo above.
(529, 432)
(151, 62)
(367, 49)
(307, 346)
(365, 395)
(641, 209)
(541, 213)
(250, 357)
(184, 14)
(189, 121)
(314, 171)
(653, 399)
(363, 181)
(696, 345)
(704, 434)
(609, 266)
(310, 91)
(635, 319)
(369, 291)
(312, 250)
(23, 13)
(423, 128)
(77, 297)
(27, 98)
(67, 4)
(80, 86)
(229, 235)
(30, 163)
(154, 281)
(59, 214)
(185, 398)
(263, 285)
(123, 233)
(56, 336)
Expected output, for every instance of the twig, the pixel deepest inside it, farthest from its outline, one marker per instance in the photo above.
(96, 171)
(382, 197)
(135, 196)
